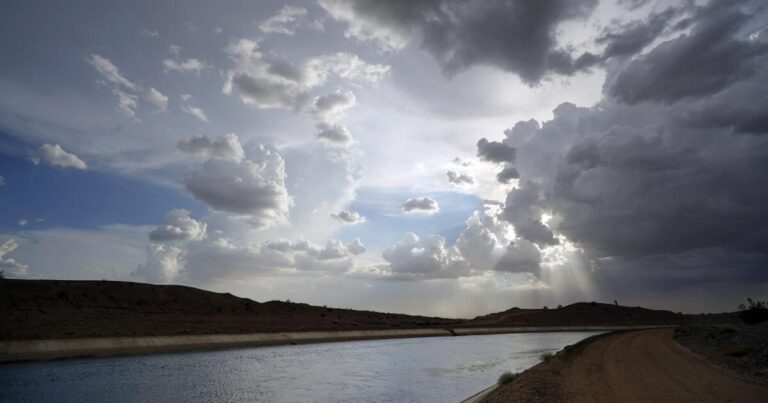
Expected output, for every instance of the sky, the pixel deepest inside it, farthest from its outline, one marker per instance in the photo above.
(437, 157)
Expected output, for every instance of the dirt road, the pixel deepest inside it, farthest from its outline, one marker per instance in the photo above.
(636, 366)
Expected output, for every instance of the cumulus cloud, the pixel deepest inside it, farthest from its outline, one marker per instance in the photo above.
(23, 222)
(286, 21)
(253, 188)
(487, 245)
(659, 179)
(331, 107)
(54, 155)
(180, 227)
(420, 205)
(507, 174)
(164, 264)
(268, 81)
(157, 99)
(495, 151)
(2, 181)
(334, 134)
(348, 217)
(9, 265)
(460, 179)
(428, 258)
(328, 110)
(516, 36)
(499, 152)
(226, 147)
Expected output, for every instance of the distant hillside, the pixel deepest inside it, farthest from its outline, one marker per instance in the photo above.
(42, 309)
(47, 309)
(588, 314)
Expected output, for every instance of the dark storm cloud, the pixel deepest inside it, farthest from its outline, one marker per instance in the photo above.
(660, 185)
(495, 151)
(517, 36)
(712, 57)
(507, 174)
(631, 38)
(501, 153)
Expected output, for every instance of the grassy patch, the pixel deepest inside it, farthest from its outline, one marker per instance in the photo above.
(507, 377)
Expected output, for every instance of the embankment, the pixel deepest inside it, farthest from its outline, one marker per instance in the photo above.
(635, 366)
(32, 350)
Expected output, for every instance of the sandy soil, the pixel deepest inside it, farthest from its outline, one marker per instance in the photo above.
(634, 366)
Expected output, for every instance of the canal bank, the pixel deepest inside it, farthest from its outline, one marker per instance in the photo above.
(35, 350)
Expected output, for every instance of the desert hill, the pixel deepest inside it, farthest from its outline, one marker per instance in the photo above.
(42, 309)
(579, 314)
(48, 309)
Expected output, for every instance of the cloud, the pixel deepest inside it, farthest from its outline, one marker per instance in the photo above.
(487, 245)
(333, 249)
(268, 81)
(286, 21)
(222, 257)
(163, 266)
(460, 179)
(334, 134)
(110, 72)
(519, 37)
(520, 256)
(708, 59)
(507, 174)
(157, 99)
(253, 188)
(420, 205)
(655, 185)
(428, 258)
(56, 156)
(180, 227)
(2, 181)
(461, 162)
(331, 107)
(627, 39)
(196, 112)
(348, 217)
(495, 151)
(23, 222)
(9, 265)
(499, 152)
(126, 91)
(149, 33)
(225, 147)
(328, 110)
(190, 65)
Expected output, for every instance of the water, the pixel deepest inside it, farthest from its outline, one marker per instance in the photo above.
(434, 369)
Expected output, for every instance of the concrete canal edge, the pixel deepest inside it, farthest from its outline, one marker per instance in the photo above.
(34, 350)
